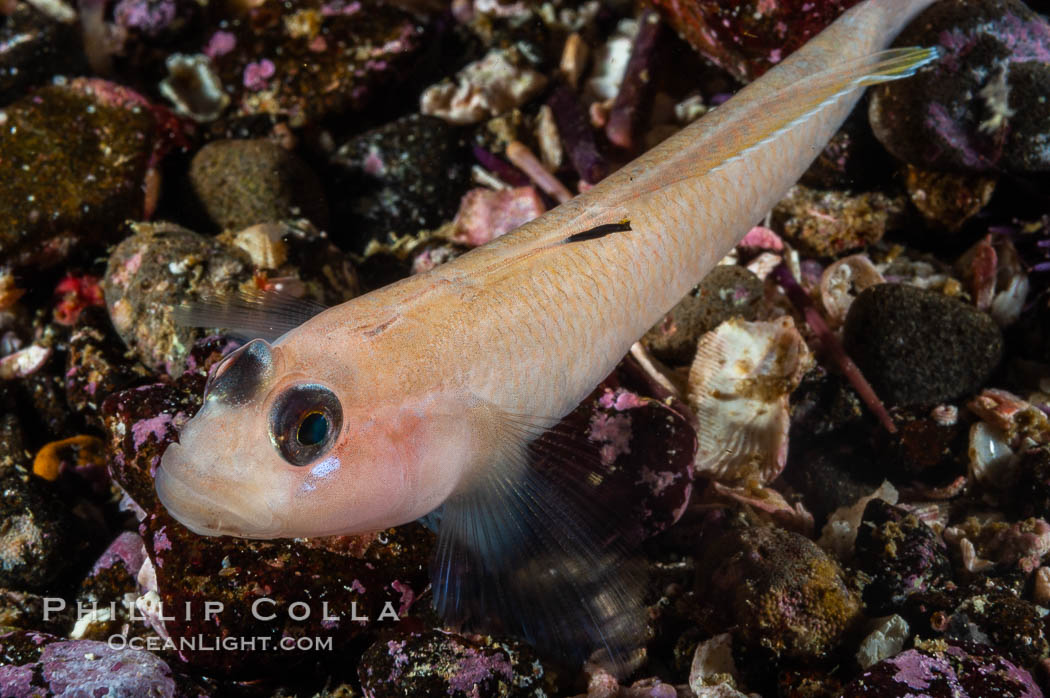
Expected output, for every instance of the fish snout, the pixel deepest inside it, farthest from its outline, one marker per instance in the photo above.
(210, 509)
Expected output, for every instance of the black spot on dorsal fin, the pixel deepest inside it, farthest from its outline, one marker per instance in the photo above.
(600, 231)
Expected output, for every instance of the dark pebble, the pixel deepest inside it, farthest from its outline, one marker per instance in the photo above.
(1011, 625)
(401, 177)
(920, 347)
(948, 200)
(38, 534)
(34, 47)
(310, 60)
(1032, 486)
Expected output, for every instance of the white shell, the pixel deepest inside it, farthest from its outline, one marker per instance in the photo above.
(840, 532)
(884, 641)
(489, 87)
(991, 459)
(739, 385)
(842, 281)
(713, 673)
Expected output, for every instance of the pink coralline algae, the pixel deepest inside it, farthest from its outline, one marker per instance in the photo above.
(438, 663)
(256, 74)
(86, 668)
(937, 669)
(220, 43)
(151, 17)
(160, 428)
(613, 432)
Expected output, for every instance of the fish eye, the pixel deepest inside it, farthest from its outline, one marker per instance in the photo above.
(304, 423)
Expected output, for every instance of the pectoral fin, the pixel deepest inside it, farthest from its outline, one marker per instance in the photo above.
(525, 550)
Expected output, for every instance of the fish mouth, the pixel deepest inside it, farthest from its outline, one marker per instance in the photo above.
(204, 514)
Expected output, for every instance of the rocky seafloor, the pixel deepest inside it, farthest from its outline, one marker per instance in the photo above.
(837, 447)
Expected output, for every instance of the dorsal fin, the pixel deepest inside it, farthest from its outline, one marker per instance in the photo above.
(263, 315)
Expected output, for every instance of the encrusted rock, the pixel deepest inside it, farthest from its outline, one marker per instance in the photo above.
(778, 591)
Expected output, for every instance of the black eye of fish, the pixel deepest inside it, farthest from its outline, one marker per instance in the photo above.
(304, 423)
(313, 429)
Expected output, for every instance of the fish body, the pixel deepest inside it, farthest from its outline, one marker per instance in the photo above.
(429, 392)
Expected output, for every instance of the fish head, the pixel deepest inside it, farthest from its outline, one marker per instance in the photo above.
(282, 448)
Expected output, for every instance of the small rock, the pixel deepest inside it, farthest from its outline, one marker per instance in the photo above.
(947, 200)
(779, 591)
(1011, 625)
(34, 47)
(401, 177)
(243, 182)
(900, 553)
(151, 272)
(437, 663)
(940, 670)
(982, 106)
(27, 611)
(750, 37)
(920, 347)
(829, 223)
(96, 366)
(312, 59)
(728, 291)
(886, 640)
(38, 535)
(75, 158)
(924, 450)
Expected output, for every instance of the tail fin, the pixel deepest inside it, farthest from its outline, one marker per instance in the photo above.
(768, 116)
(794, 105)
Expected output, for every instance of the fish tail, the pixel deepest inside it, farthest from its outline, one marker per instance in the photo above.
(792, 106)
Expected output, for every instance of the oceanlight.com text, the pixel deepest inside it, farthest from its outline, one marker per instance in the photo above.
(205, 643)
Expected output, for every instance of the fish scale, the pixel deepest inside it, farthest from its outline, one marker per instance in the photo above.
(434, 390)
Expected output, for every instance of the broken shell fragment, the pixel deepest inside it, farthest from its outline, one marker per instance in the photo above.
(739, 385)
(193, 87)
